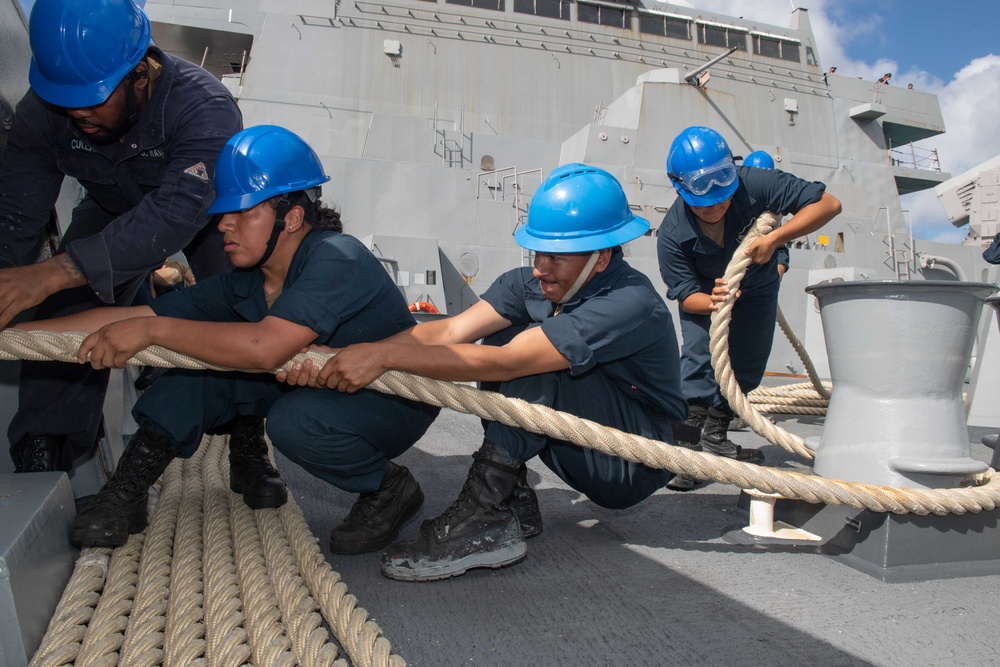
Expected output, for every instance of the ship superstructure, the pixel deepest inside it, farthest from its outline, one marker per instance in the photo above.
(437, 120)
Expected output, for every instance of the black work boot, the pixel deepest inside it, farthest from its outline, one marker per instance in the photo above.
(524, 503)
(374, 521)
(688, 434)
(714, 440)
(478, 530)
(119, 508)
(37, 453)
(250, 470)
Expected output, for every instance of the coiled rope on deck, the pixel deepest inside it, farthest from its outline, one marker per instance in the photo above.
(210, 582)
(803, 398)
(549, 422)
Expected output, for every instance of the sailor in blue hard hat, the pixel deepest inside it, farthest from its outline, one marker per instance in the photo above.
(717, 204)
(582, 332)
(759, 159)
(299, 280)
(140, 130)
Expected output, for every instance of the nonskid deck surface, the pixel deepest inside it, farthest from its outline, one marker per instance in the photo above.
(652, 585)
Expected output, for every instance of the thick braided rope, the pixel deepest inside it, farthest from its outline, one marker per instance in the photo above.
(361, 638)
(68, 626)
(808, 398)
(184, 640)
(153, 584)
(289, 624)
(795, 399)
(818, 386)
(719, 346)
(143, 644)
(784, 400)
(310, 641)
(268, 640)
(544, 420)
(225, 637)
(786, 409)
(106, 630)
(562, 426)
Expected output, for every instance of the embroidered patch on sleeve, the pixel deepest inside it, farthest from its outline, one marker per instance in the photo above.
(198, 171)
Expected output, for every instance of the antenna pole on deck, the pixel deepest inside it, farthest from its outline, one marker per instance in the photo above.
(692, 77)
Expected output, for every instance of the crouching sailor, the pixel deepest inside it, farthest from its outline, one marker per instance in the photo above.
(299, 280)
(583, 333)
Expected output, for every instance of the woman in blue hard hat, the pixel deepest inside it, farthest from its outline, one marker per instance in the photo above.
(582, 332)
(717, 204)
(299, 280)
(140, 130)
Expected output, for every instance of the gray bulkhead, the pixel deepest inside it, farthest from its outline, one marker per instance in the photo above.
(438, 120)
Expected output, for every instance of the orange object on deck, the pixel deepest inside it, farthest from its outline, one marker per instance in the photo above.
(424, 307)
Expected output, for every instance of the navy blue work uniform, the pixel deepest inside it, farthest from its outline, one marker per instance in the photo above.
(690, 262)
(992, 253)
(337, 288)
(146, 199)
(619, 339)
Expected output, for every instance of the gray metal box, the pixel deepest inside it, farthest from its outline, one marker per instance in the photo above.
(36, 559)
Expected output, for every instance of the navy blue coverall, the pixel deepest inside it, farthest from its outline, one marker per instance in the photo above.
(146, 199)
(335, 287)
(690, 262)
(619, 339)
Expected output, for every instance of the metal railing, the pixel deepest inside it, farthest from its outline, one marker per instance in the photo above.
(899, 260)
(499, 183)
(911, 156)
(452, 151)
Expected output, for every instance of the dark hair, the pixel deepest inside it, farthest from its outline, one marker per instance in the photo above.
(317, 215)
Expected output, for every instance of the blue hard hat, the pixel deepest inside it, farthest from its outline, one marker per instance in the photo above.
(579, 209)
(261, 162)
(759, 159)
(701, 168)
(82, 49)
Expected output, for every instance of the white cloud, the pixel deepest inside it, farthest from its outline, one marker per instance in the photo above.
(972, 137)
(968, 101)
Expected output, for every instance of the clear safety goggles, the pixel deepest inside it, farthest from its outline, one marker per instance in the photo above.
(701, 181)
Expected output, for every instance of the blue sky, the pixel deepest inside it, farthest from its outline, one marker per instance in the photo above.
(920, 35)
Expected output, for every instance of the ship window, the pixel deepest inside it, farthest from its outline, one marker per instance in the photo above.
(790, 51)
(479, 4)
(772, 47)
(667, 26)
(714, 35)
(764, 46)
(604, 15)
(553, 9)
(810, 56)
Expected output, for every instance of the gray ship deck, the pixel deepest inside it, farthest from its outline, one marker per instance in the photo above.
(652, 585)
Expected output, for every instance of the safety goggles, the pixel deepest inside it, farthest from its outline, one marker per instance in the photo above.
(701, 181)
